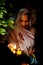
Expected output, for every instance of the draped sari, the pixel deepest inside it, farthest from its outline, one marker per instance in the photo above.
(20, 37)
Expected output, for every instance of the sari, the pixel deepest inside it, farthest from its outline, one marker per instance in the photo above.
(20, 37)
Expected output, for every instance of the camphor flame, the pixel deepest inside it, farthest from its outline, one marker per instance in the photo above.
(19, 52)
(14, 46)
(14, 49)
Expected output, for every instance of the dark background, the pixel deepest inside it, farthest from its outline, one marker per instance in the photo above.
(6, 56)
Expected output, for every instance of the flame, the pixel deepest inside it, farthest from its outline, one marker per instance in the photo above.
(14, 49)
(19, 52)
(14, 46)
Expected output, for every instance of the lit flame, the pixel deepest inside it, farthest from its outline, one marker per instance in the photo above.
(19, 52)
(14, 49)
(14, 46)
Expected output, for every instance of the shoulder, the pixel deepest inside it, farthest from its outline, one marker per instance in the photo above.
(29, 34)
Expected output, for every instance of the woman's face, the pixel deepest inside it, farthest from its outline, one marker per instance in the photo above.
(24, 20)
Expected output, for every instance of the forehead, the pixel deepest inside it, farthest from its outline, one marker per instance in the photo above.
(24, 17)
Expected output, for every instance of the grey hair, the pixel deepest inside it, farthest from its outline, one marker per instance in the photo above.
(22, 11)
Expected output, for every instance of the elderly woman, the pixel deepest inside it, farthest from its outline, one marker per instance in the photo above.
(21, 40)
(20, 37)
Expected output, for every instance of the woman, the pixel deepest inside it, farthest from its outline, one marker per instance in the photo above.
(19, 36)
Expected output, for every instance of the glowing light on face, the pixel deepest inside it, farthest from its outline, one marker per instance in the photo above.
(23, 23)
(24, 20)
(24, 17)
